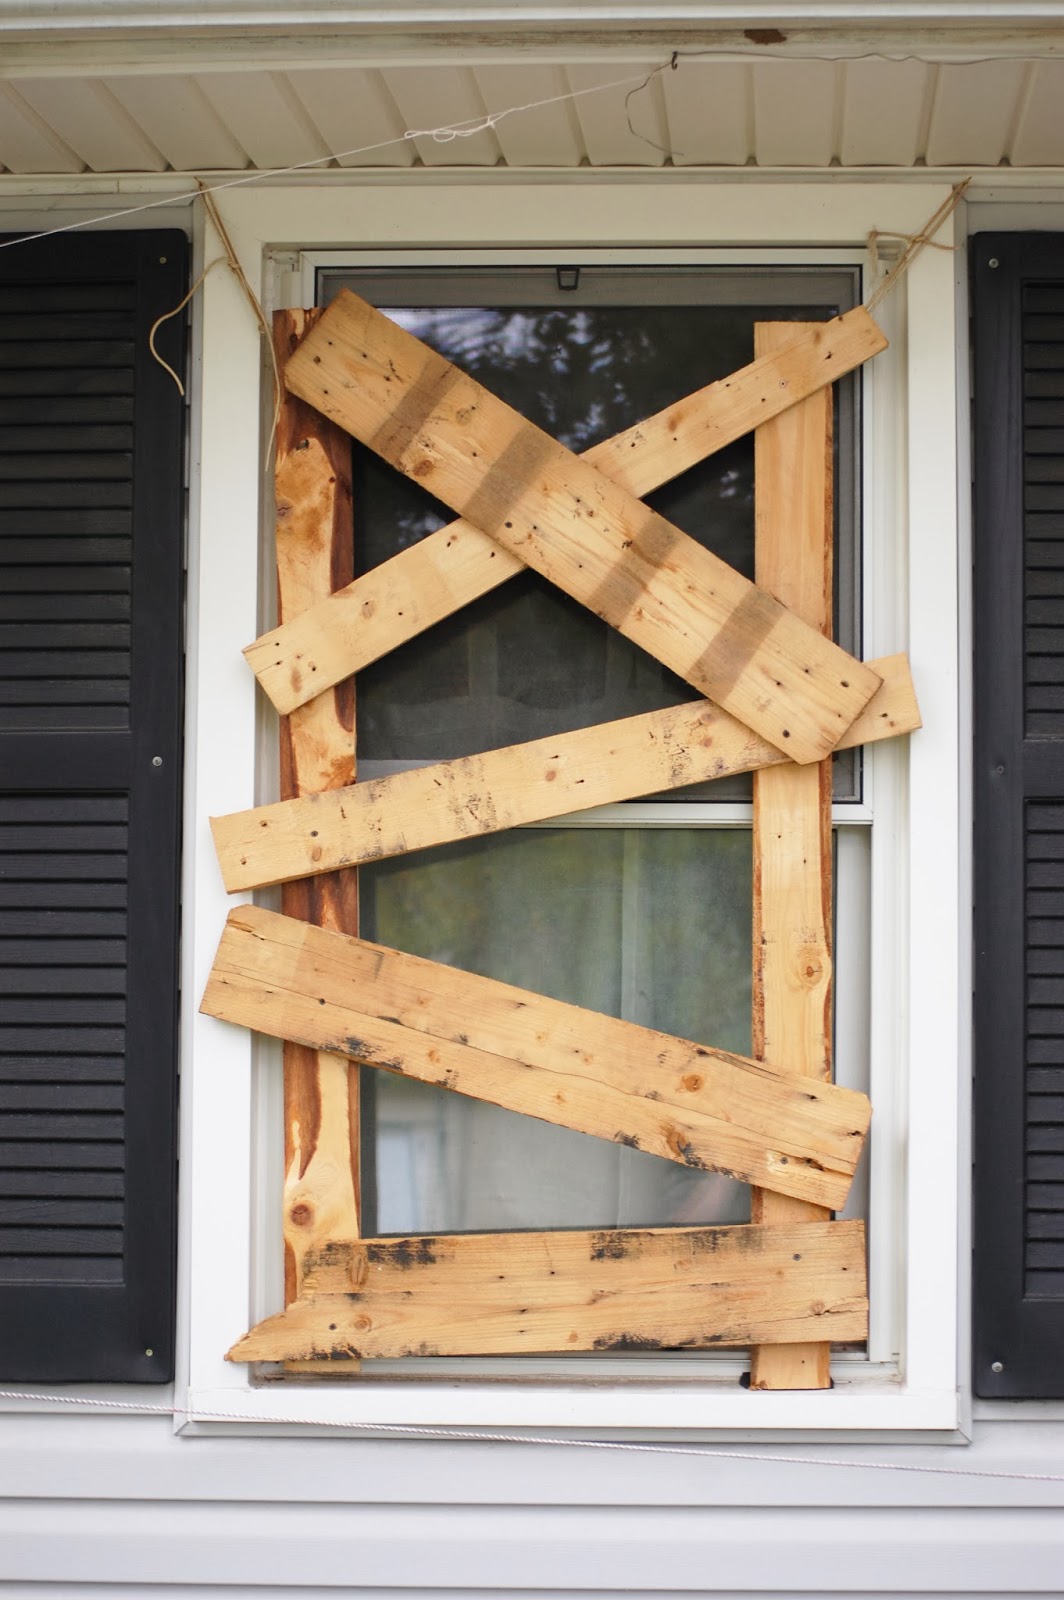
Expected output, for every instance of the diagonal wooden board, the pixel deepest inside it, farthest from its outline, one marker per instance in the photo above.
(616, 1289)
(559, 514)
(523, 783)
(430, 580)
(578, 1069)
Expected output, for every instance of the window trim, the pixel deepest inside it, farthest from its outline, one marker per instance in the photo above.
(917, 950)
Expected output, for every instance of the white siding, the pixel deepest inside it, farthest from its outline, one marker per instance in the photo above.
(125, 1504)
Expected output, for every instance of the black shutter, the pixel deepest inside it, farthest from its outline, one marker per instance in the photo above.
(1019, 815)
(91, 523)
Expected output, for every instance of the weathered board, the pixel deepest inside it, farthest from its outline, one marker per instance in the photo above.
(315, 553)
(432, 579)
(565, 1065)
(733, 642)
(793, 553)
(523, 783)
(620, 1289)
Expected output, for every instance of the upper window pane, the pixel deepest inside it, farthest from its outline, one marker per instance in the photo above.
(525, 661)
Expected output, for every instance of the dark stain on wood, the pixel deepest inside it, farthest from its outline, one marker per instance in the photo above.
(403, 1253)
(626, 1341)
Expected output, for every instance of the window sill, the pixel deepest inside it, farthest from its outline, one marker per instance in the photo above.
(689, 1411)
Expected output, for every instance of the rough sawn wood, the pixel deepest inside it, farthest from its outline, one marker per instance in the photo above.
(576, 1068)
(315, 553)
(430, 580)
(793, 556)
(616, 1289)
(560, 515)
(522, 783)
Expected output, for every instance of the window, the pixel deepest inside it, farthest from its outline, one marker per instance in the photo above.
(912, 868)
(644, 911)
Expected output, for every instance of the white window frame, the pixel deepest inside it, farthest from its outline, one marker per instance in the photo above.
(920, 928)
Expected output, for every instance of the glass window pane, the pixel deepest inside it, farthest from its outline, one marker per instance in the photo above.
(653, 926)
(525, 661)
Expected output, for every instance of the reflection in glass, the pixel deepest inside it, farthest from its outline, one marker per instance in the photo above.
(649, 925)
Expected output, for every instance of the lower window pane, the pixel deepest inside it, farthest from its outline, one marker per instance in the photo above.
(652, 925)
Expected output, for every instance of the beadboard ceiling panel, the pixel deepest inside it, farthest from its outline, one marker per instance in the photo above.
(1039, 137)
(624, 125)
(429, 99)
(883, 112)
(81, 113)
(546, 137)
(178, 118)
(795, 112)
(262, 113)
(353, 112)
(709, 107)
(27, 142)
(727, 111)
(975, 109)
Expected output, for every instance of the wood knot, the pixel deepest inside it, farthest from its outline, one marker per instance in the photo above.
(301, 1215)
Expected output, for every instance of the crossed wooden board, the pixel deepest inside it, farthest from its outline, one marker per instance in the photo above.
(782, 693)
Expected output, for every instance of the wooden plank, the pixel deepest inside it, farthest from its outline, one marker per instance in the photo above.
(523, 783)
(432, 579)
(793, 550)
(575, 1068)
(314, 546)
(730, 640)
(617, 1289)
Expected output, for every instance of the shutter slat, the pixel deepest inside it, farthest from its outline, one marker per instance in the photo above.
(48, 300)
(48, 413)
(87, 381)
(85, 466)
(64, 328)
(72, 980)
(49, 439)
(60, 1241)
(37, 355)
(68, 1183)
(106, 1155)
(41, 1068)
(70, 493)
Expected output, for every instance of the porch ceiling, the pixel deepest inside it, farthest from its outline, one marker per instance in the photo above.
(114, 106)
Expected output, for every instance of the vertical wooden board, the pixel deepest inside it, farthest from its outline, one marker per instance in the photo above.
(792, 810)
(315, 555)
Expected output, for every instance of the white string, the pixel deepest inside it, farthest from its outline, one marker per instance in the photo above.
(483, 1436)
(442, 135)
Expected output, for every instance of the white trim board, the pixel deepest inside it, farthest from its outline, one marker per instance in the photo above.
(911, 480)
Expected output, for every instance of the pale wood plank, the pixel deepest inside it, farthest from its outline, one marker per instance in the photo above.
(730, 640)
(689, 1103)
(621, 1289)
(312, 476)
(430, 580)
(523, 783)
(793, 552)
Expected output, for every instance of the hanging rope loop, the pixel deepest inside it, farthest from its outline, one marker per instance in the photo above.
(914, 244)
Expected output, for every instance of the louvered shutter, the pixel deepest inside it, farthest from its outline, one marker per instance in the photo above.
(90, 704)
(1019, 798)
